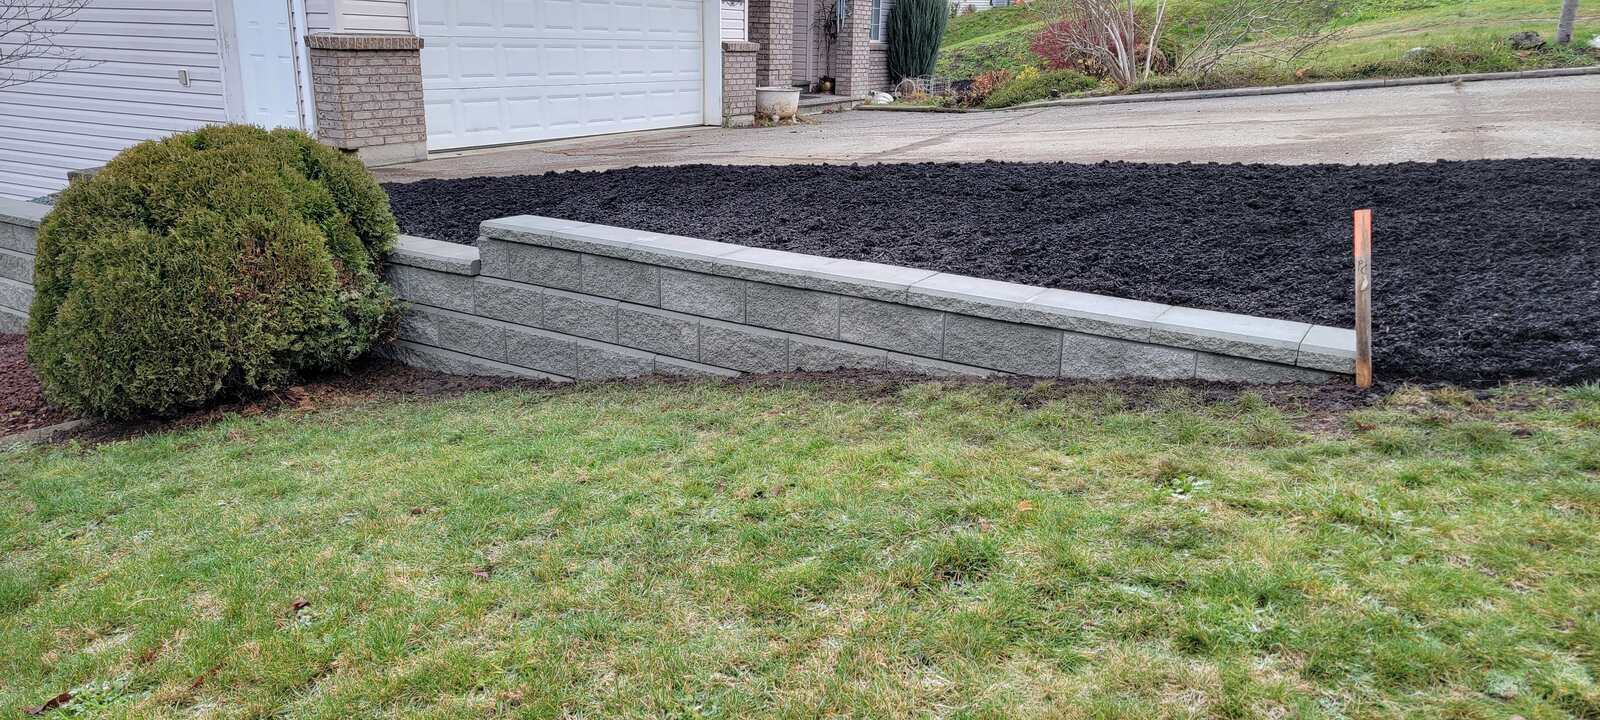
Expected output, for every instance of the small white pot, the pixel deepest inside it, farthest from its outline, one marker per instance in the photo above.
(777, 103)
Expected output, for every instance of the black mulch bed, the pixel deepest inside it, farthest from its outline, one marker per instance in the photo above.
(1484, 271)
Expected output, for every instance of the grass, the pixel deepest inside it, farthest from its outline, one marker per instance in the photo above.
(1469, 36)
(805, 551)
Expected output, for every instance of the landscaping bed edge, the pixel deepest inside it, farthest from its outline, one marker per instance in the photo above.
(859, 313)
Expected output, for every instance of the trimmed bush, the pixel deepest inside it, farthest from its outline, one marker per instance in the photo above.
(221, 262)
(915, 28)
(1031, 85)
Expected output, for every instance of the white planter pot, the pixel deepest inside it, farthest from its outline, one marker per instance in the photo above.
(777, 103)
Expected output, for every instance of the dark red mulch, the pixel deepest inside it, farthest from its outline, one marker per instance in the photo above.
(22, 405)
(1484, 271)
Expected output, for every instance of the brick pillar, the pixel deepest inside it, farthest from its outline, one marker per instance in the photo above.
(852, 58)
(739, 82)
(772, 27)
(368, 91)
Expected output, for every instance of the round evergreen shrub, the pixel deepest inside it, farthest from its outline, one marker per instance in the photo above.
(220, 262)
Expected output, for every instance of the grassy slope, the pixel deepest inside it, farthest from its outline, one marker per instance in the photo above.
(797, 552)
(1376, 30)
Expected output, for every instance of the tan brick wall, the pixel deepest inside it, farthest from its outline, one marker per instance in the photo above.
(368, 91)
(852, 56)
(878, 68)
(772, 27)
(738, 82)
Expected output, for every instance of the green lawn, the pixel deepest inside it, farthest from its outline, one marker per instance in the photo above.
(1376, 33)
(807, 550)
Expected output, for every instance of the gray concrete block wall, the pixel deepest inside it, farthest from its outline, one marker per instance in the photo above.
(19, 240)
(572, 300)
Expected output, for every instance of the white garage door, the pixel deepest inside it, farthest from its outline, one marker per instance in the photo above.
(502, 71)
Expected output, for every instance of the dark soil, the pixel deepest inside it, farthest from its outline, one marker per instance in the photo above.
(1484, 271)
(22, 405)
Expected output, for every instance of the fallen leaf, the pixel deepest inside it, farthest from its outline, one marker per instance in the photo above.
(299, 604)
(1024, 506)
(417, 511)
(50, 704)
(201, 680)
(481, 573)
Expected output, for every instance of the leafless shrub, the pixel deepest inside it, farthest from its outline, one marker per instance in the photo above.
(1123, 42)
(28, 50)
(1274, 31)
(1107, 34)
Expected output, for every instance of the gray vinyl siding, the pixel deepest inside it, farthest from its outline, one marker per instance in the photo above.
(127, 89)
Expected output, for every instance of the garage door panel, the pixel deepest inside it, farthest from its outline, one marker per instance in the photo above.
(520, 70)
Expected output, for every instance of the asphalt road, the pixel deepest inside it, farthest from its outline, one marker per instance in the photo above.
(1551, 117)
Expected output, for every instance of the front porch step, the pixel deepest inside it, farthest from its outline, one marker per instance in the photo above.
(816, 104)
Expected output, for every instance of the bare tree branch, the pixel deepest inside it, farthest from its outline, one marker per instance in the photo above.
(28, 51)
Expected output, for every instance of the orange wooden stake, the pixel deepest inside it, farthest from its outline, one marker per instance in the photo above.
(1363, 248)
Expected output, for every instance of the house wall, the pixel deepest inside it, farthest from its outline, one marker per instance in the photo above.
(128, 89)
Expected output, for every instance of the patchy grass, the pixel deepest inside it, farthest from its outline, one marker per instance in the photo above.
(1465, 36)
(971, 551)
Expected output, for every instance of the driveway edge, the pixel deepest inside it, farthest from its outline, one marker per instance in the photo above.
(1265, 90)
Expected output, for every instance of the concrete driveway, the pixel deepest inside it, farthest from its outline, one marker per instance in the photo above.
(1500, 119)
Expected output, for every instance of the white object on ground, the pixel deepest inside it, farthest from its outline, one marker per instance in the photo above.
(880, 98)
(777, 103)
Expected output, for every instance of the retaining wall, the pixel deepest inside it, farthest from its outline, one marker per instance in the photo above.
(560, 299)
(19, 234)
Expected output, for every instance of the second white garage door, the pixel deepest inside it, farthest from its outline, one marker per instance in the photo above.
(504, 71)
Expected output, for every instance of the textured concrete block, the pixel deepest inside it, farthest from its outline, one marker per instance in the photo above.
(1099, 358)
(472, 336)
(454, 331)
(814, 354)
(1094, 314)
(621, 279)
(791, 309)
(22, 213)
(16, 295)
(813, 272)
(936, 368)
(455, 363)
(688, 368)
(743, 348)
(1328, 348)
(979, 297)
(547, 267)
(658, 331)
(508, 301)
(601, 362)
(430, 287)
(435, 255)
(16, 266)
(1234, 369)
(13, 322)
(705, 295)
(20, 238)
(544, 351)
(582, 315)
(892, 326)
(1230, 334)
(1020, 349)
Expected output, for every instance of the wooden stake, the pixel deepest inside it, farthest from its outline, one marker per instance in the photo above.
(1363, 250)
